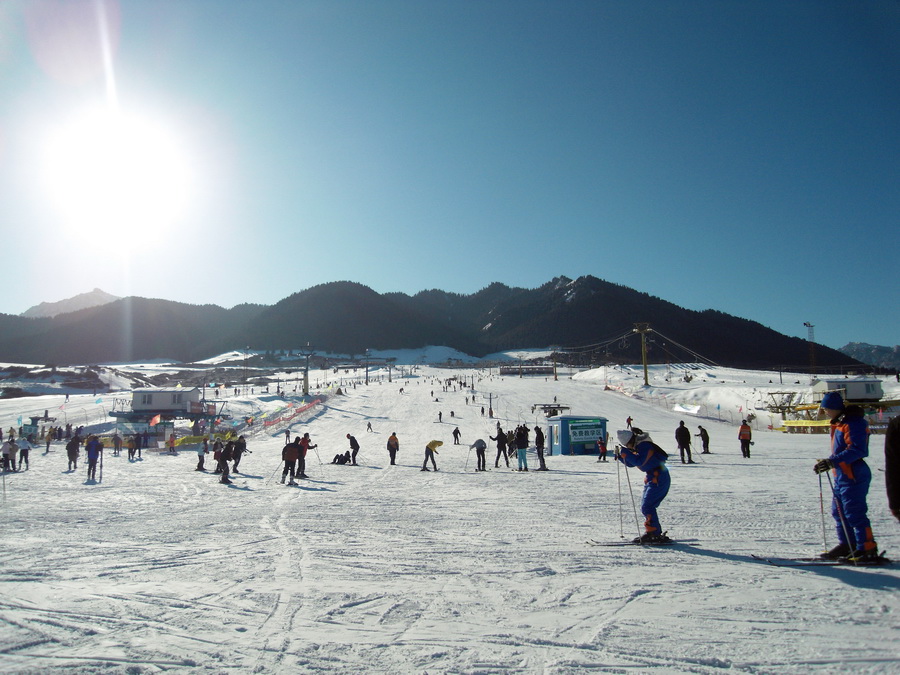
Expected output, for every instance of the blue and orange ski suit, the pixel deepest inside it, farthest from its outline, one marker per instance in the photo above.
(651, 459)
(852, 476)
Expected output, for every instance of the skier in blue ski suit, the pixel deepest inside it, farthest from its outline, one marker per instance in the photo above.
(637, 450)
(852, 476)
(93, 447)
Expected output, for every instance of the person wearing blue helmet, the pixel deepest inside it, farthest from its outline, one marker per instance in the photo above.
(852, 477)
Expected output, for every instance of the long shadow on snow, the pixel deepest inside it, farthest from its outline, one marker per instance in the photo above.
(572, 473)
(852, 576)
(307, 488)
(340, 410)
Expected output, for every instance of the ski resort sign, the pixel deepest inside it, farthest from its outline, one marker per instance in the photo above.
(575, 435)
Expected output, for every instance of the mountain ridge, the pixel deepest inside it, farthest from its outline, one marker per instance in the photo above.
(92, 298)
(349, 317)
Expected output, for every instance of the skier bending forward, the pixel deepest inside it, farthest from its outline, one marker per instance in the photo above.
(639, 451)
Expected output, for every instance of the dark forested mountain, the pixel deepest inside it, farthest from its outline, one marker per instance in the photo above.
(346, 317)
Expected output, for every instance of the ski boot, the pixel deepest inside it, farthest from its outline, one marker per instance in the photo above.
(839, 551)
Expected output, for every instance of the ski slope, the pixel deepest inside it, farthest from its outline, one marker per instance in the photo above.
(387, 569)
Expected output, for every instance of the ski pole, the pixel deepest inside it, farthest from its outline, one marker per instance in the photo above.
(822, 510)
(637, 522)
(317, 453)
(840, 511)
(468, 454)
(619, 482)
(273, 473)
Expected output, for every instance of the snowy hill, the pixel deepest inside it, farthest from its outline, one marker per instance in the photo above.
(94, 298)
(388, 569)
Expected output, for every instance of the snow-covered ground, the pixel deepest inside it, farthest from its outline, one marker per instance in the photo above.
(386, 569)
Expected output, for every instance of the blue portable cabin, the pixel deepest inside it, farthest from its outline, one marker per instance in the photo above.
(575, 434)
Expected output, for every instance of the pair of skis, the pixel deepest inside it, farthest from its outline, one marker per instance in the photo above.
(777, 562)
(824, 562)
(670, 542)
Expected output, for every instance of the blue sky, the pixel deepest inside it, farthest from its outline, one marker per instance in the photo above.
(738, 156)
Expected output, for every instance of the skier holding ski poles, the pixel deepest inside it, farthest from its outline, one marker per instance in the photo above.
(852, 476)
(305, 445)
(290, 453)
(637, 450)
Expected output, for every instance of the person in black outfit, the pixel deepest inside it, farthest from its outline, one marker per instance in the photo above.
(72, 450)
(539, 445)
(226, 456)
(240, 447)
(704, 440)
(480, 447)
(501, 447)
(393, 445)
(354, 446)
(683, 438)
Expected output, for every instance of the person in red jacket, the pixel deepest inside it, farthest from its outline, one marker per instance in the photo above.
(305, 445)
(290, 454)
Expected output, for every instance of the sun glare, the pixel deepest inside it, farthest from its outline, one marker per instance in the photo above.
(116, 179)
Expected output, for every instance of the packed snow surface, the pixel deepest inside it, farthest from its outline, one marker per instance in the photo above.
(388, 569)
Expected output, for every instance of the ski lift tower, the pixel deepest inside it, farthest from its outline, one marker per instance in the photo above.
(643, 329)
(306, 352)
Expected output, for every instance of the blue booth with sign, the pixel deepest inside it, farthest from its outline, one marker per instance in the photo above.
(575, 434)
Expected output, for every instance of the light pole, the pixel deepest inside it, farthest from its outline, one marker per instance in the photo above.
(811, 338)
(367, 366)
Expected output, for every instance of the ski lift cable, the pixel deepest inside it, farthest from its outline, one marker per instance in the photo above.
(700, 357)
(597, 345)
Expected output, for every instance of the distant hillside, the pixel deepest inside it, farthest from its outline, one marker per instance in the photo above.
(82, 301)
(347, 317)
(874, 355)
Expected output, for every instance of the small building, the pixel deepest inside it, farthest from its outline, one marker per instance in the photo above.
(522, 370)
(175, 400)
(852, 388)
(575, 434)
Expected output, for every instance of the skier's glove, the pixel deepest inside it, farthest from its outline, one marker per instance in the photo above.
(823, 465)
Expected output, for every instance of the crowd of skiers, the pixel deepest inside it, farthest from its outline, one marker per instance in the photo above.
(517, 440)
(846, 463)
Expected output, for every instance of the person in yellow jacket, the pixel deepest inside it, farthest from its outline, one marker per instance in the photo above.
(430, 452)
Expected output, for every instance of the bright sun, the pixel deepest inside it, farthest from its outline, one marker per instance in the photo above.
(116, 179)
